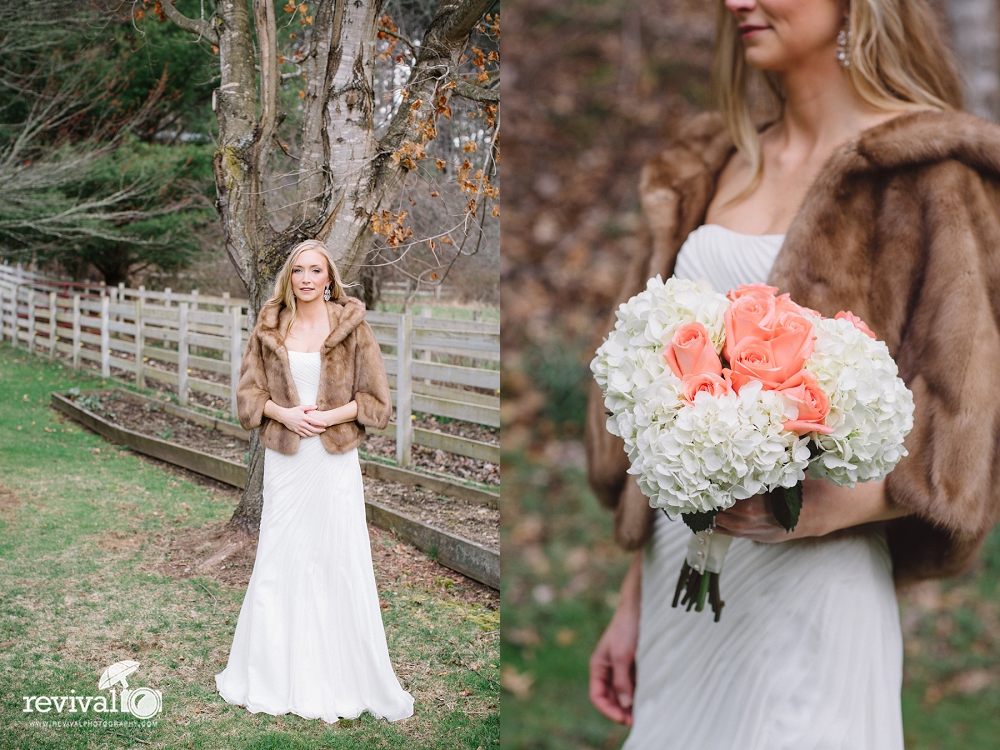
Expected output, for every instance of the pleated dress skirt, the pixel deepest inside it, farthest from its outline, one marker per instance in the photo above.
(807, 655)
(310, 638)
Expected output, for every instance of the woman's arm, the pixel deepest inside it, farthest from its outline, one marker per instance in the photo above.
(251, 389)
(825, 508)
(612, 665)
(346, 413)
(373, 403)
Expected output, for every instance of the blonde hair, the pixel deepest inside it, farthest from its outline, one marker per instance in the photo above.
(284, 296)
(898, 61)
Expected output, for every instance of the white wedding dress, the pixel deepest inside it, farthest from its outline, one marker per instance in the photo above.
(310, 638)
(808, 652)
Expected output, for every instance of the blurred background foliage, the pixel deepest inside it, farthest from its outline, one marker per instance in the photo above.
(592, 90)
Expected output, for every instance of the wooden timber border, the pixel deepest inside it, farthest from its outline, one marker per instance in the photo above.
(462, 555)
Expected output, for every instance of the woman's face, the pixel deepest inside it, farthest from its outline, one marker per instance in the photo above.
(781, 34)
(309, 276)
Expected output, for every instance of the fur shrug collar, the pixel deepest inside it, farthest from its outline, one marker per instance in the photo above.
(345, 314)
(677, 184)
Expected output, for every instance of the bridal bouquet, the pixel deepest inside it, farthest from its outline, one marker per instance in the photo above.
(719, 398)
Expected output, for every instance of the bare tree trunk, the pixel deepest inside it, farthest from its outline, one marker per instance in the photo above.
(346, 176)
(975, 32)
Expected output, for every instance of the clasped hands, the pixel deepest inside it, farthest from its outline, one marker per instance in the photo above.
(306, 420)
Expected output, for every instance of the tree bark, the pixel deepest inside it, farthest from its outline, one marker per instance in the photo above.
(345, 174)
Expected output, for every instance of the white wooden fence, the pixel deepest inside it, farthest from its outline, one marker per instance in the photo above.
(187, 341)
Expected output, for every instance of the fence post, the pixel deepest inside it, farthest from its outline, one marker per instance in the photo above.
(235, 355)
(14, 319)
(140, 375)
(404, 426)
(76, 331)
(194, 308)
(227, 356)
(425, 355)
(3, 312)
(53, 328)
(166, 300)
(31, 320)
(120, 298)
(182, 353)
(105, 337)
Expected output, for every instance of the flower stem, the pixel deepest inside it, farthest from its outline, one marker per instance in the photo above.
(703, 591)
(685, 572)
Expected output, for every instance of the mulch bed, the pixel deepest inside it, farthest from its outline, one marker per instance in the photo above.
(475, 522)
(438, 461)
(469, 520)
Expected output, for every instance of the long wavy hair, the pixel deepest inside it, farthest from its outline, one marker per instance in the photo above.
(898, 61)
(284, 296)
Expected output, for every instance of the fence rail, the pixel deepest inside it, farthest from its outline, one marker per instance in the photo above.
(173, 339)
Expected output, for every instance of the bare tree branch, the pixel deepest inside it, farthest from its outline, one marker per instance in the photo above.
(267, 47)
(194, 25)
(400, 37)
(462, 19)
(486, 94)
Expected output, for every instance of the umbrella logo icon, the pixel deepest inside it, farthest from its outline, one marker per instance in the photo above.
(143, 703)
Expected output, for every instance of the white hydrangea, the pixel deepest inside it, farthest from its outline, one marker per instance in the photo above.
(871, 409)
(705, 456)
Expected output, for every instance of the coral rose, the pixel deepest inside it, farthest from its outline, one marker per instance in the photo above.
(858, 322)
(783, 304)
(812, 403)
(749, 315)
(753, 359)
(758, 290)
(707, 382)
(791, 343)
(691, 352)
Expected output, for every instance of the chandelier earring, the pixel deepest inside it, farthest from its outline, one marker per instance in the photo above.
(326, 293)
(844, 48)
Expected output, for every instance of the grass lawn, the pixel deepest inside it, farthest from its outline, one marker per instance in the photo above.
(560, 580)
(78, 523)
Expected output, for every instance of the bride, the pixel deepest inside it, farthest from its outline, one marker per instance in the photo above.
(310, 638)
(872, 192)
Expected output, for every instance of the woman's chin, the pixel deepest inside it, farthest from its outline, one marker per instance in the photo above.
(759, 59)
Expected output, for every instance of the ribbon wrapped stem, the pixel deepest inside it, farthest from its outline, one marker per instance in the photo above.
(699, 577)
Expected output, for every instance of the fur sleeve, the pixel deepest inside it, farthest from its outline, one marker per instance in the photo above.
(251, 391)
(949, 356)
(371, 388)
